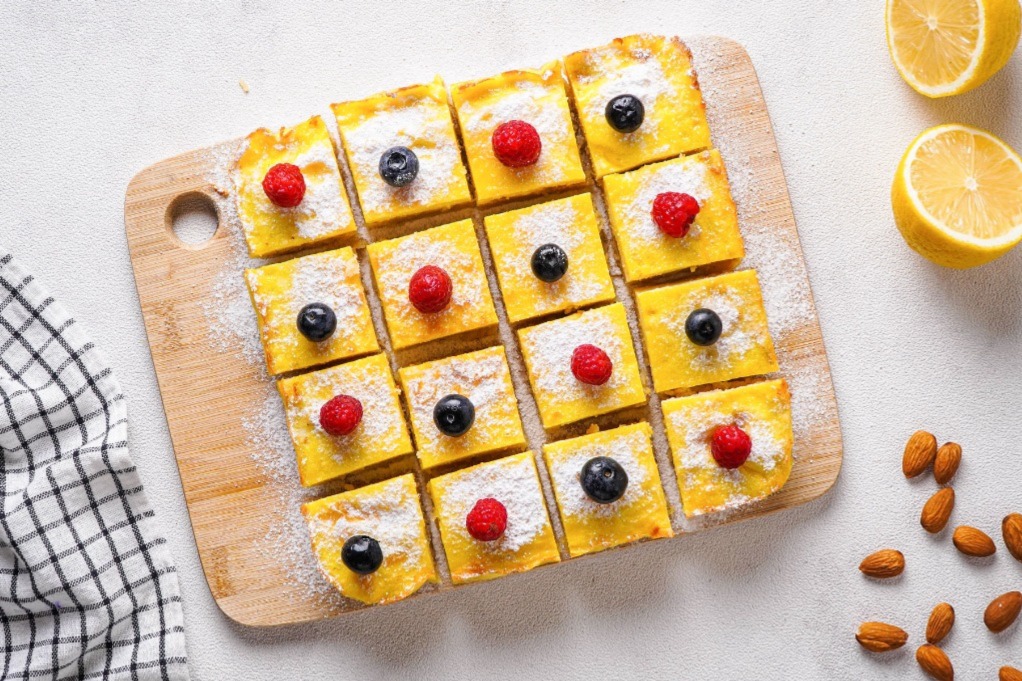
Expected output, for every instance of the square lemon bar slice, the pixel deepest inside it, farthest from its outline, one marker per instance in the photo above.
(646, 250)
(639, 513)
(280, 292)
(322, 216)
(536, 97)
(452, 248)
(762, 411)
(526, 542)
(390, 514)
(744, 347)
(656, 71)
(483, 380)
(563, 398)
(381, 434)
(417, 118)
(570, 226)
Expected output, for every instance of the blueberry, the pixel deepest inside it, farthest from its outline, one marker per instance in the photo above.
(625, 113)
(549, 263)
(703, 327)
(454, 415)
(317, 322)
(604, 480)
(399, 166)
(362, 554)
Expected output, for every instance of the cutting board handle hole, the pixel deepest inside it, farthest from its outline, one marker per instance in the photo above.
(193, 220)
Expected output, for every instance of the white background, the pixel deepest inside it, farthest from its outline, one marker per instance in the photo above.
(92, 93)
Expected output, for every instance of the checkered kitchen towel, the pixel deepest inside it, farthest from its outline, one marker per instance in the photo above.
(87, 590)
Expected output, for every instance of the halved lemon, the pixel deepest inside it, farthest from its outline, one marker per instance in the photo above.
(957, 196)
(946, 47)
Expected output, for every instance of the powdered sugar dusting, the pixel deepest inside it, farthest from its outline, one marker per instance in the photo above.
(324, 210)
(644, 80)
(736, 339)
(567, 472)
(687, 177)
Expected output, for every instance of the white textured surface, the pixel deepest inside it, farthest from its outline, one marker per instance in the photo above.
(90, 94)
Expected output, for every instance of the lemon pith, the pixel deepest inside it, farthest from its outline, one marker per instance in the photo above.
(957, 196)
(947, 47)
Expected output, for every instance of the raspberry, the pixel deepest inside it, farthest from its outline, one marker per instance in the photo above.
(487, 520)
(731, 446)
(284, 185)
(340, 415)
(516, 144)
(430, 289)
(591, 365)
(674, 213)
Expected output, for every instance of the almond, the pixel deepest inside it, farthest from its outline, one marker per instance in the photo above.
(935, 662)
(920, 451)
(1009, 674)
(937, 510)
(941, 620)
(949, 456)
(1003, 611)
(879, 637)
(1011, 528)
(973, 542)
(883, 564)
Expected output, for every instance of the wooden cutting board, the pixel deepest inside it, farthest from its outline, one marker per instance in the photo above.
(209, 389)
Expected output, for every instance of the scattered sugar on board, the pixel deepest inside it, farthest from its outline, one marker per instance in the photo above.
(511, 482)
(567, 472)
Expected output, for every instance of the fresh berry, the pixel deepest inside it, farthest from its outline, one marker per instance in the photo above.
(731, 446)
(604, 480)
(399, 166)
(516, 144)
(362, 554)
(430, 289)
(703, 327)
(284, 185)
(487, 520)
(549, 263)
(674, 213)
(454, 415)
(340, 415)
(591, 365)
(625, 113)
(317, 322)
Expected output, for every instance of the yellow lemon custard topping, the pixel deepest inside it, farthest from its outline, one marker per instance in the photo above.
(417, 118)
(454, 249)
(570, 225)
(481, 377)
(658, 72)
(527, 539)
(763, 412)
(536, 97)
(323, 214)
(548, 349)
(390, 513)
(380, 436)
(744, 346)
(640, 513)
(646, 250)
(280, 291)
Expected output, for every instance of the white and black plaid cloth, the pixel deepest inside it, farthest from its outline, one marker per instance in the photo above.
(87, 589)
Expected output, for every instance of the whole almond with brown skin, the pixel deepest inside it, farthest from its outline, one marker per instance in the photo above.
(937, 510)
(880, 637)
(920, 450)
(939, 625)
(949, 456)
(1002, 611)
(973, 542)
(935, 662)
(1009, 674)
(883, 564)
(1011, 528)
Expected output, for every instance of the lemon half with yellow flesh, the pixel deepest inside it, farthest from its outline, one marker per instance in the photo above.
(957, 196)
(947, 47)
